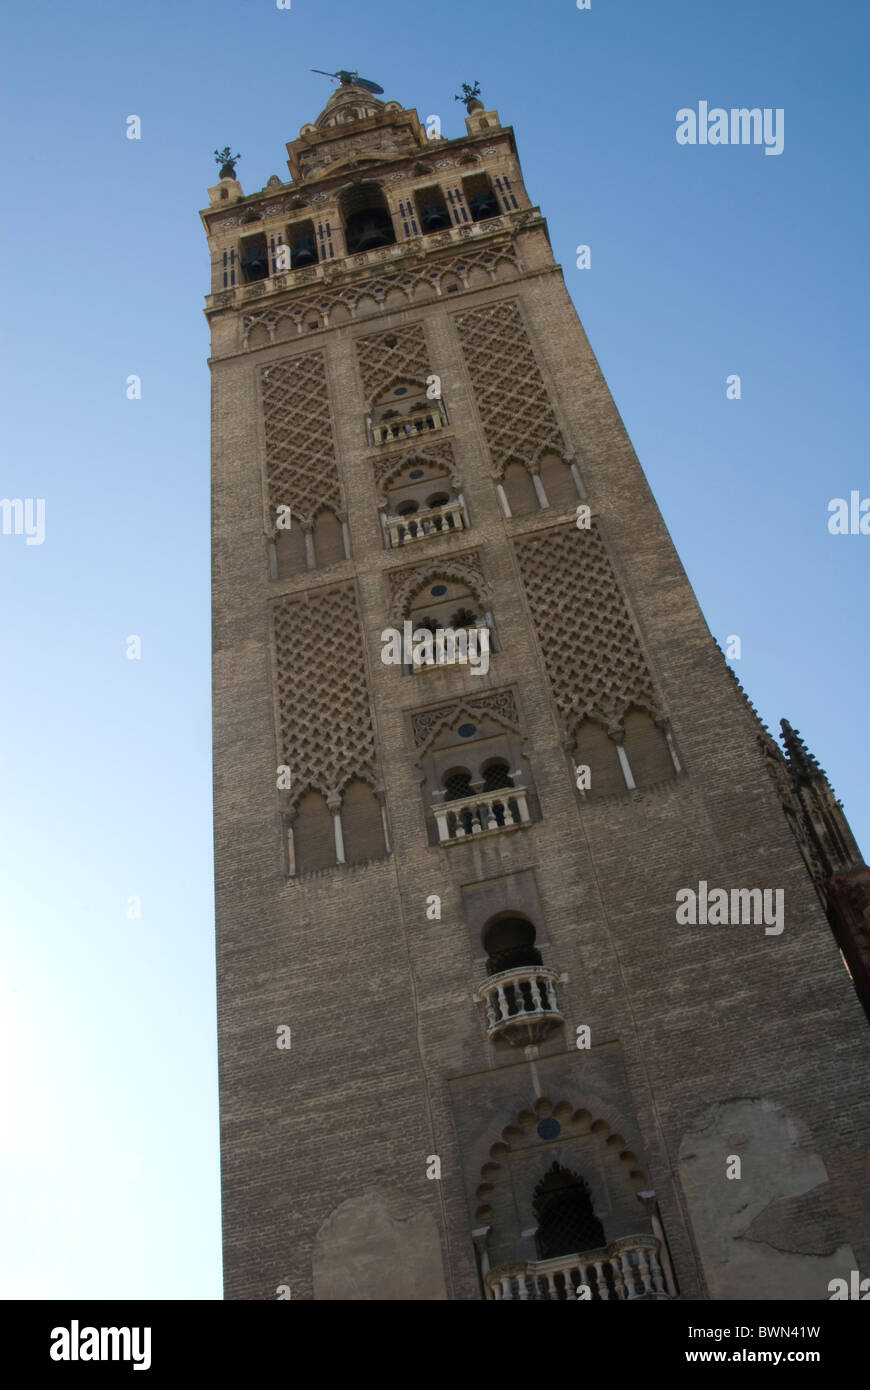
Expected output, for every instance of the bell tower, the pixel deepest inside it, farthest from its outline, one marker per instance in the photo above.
(527, 987)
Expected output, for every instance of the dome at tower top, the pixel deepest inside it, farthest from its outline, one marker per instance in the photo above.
(350, 103)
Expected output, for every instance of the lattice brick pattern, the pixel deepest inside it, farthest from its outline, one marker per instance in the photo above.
(325, 712)
(301, 470)
(383, 357)
(517, 415)
(590, 649)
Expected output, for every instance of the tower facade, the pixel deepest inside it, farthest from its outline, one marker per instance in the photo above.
(527, 977)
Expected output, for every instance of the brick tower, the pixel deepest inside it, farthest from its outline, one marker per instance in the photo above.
(526, 985)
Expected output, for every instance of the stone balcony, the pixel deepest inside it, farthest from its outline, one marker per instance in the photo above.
(435, 521)
(521, 1004)
(407, 426)
(628, 1269)
(489, 813)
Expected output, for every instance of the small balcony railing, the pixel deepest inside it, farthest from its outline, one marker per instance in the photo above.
(436, 521)
(491, 813)
(628, 1269)
(521, 1004)
(408, 427)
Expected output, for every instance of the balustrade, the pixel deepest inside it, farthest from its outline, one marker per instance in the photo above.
(435, 521)
(521, 1004)
(627, 1269)
(487, 813)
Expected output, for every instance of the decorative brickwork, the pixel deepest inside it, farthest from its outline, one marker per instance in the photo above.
(365, 297)
(461, 569)
(499, 705)
(518, 417)
(399, 355)
(387, 468)
(590, 649)
(325, 715)
(301, 470)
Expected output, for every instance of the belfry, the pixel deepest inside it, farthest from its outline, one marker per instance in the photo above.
(468, 1048)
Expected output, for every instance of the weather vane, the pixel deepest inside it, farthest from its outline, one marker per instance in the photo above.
(351, 79)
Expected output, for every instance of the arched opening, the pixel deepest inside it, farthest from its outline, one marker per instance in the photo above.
(558, 483)
(439, 605)
(480, 196)
(313, 834)
(457, 784)
(567, 1223)
(520, 490)
(646, 749)
(290, 552)
(432, 209)
(367, 220)
(328, 540)
(509, 943)
(254, 258)
(595, 749)
(303, 245)
(496, 774)
(361, 824)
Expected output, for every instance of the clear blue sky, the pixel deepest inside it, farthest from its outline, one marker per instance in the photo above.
(705, 262)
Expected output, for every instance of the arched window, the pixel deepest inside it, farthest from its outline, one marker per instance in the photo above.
(457, 784)
(362, 824)
(313, 835)
(567, 1223)
(367, 220)
(509, 943)
(496, 774)
(646, 748)
(432, 210)
(254, 258)
(520, 490)
(481, 197)
(595, 749)
(558, 482)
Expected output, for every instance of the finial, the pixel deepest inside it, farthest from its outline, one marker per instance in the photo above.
(798, 754)
(471, 97)
(227, 162)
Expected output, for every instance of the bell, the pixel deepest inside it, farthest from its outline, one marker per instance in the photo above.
(434, 219)
(304, 252)
(255, 265)
(370, 236)
(483, 205)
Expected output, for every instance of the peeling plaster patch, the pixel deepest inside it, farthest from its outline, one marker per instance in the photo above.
(378, 1246)
(773, 1233)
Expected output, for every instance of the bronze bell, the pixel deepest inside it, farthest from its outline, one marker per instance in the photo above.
(370, 236)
